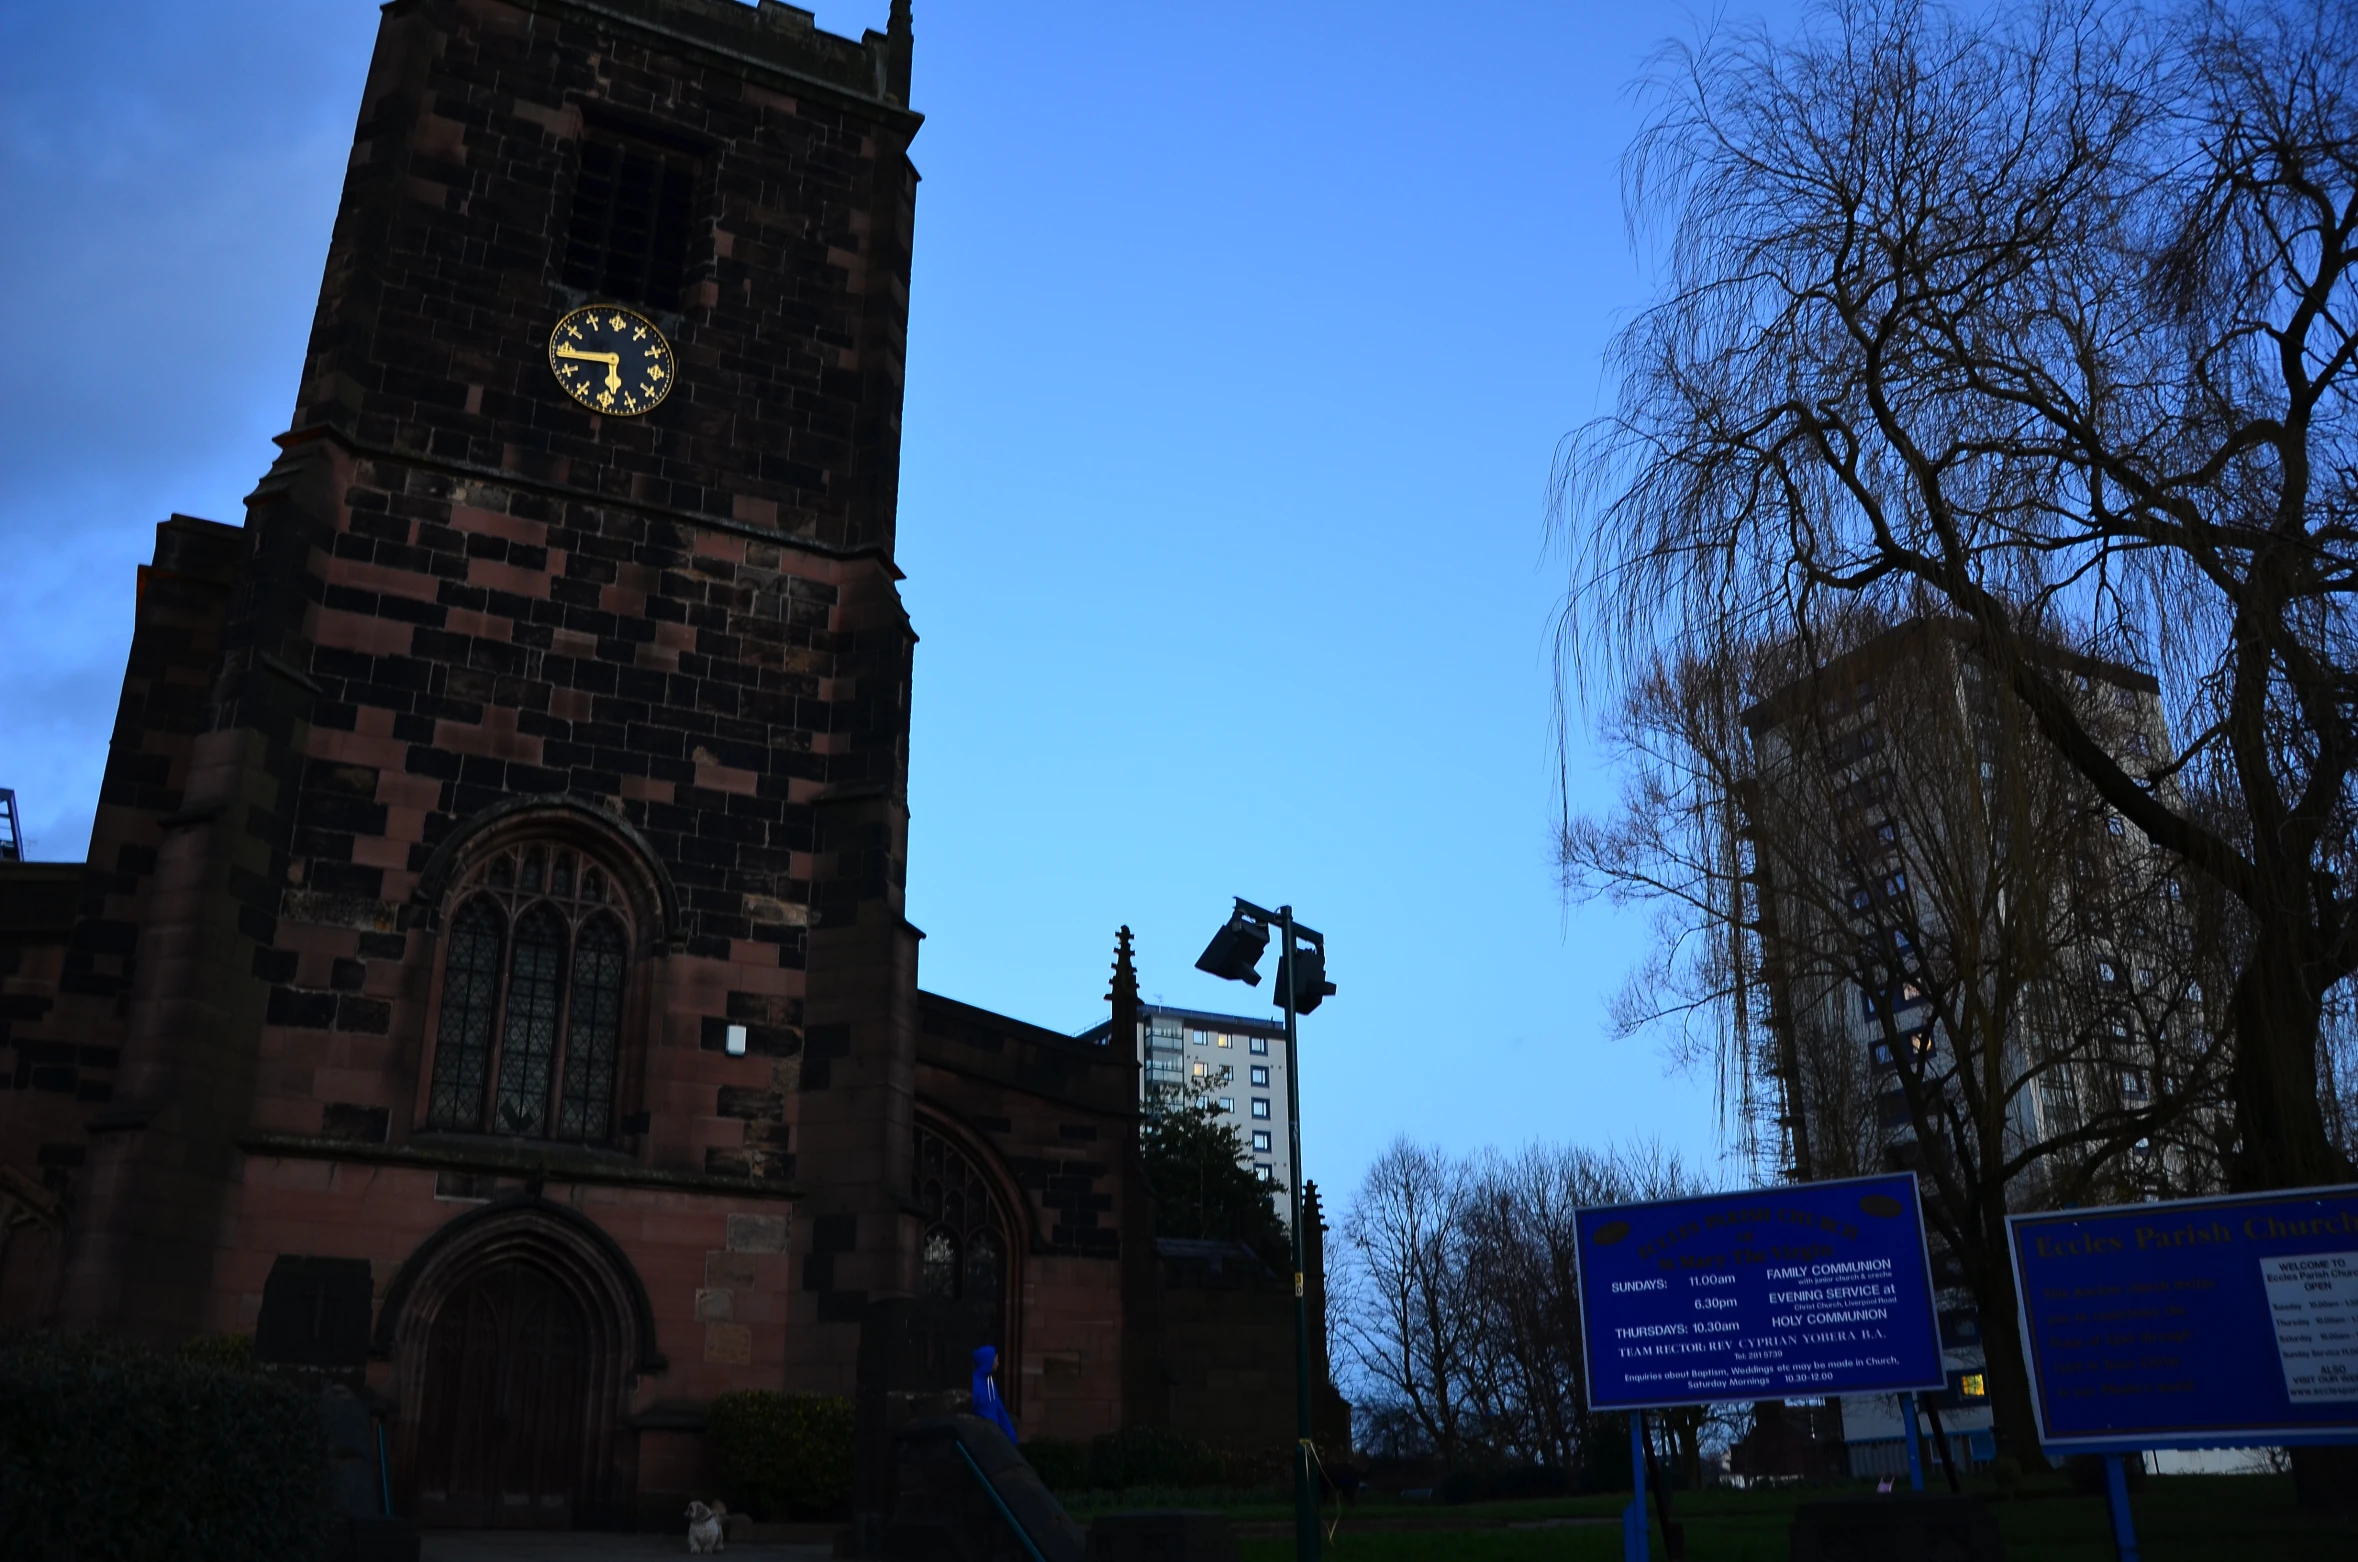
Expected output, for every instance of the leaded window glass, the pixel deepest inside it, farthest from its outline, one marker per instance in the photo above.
(530, 1035)
(941, 1265)
(594, 1032)
(529, 1038)
(470, 992)
(965, 1251)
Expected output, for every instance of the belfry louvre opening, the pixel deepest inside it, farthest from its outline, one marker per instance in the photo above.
(628, 239)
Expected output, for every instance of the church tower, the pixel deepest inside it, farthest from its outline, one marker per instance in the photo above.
(502, 847)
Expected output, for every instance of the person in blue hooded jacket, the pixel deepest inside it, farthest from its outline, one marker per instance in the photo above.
(987, 1402)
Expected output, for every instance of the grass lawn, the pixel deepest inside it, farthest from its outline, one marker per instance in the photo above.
(2179, 1519)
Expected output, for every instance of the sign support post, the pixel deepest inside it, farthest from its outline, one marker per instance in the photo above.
(1634, 1545)
(2116, 1498)
(1915, 1449)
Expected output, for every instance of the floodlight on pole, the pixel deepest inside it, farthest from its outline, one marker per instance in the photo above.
(1236, 949)
(1307, 978)
(1301, 986)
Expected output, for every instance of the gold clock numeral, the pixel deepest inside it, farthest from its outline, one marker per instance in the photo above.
(654, 371)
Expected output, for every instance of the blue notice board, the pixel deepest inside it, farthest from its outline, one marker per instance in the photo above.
(1808, 1289)
(2198, 1323)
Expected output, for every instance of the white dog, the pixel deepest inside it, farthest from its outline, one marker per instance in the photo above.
(706, 1528)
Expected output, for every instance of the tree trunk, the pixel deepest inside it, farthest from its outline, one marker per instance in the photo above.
(2277, 1117)
(2004, 1374)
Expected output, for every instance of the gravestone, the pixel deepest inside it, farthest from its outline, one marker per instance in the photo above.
(315, 1313)
(963, 1494)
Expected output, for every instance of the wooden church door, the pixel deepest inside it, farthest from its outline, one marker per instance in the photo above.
(500, 1430)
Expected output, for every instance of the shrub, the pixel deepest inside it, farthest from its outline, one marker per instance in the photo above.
(1141, 1456)
(2006, 1474)
(1511, 1483)
(1060, 1466)
(109, 1450)
(222, 1350)
(1153, 1456)
(781, 1453)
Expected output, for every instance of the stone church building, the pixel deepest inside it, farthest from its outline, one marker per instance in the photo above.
(492, 942)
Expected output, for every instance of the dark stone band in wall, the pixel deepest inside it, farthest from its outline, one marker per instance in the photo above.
(553, 1163)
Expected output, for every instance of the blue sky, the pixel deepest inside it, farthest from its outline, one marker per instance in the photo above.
(1242, 337)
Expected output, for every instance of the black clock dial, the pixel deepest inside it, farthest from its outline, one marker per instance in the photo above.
(611, 359)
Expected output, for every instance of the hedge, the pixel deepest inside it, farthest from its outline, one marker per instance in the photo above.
(783, 1452)
(1139, 1456)
(109, 1450)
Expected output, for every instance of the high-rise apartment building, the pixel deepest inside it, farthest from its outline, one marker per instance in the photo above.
(1941, 923)
(1228, 1062)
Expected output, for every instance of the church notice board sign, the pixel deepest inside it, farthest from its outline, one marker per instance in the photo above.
(1776, 1293)
(2196, 1323)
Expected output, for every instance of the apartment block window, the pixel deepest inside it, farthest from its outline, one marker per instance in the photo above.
(1857, 744)
(1259, 1047)
(1261, 1075)
(628, 238)
(1265, 1171)
(1261, 1106)
(1261, 1140)
(1202, 1038)
(1228, 1103)
(1222, 1039)
(2133, 1084)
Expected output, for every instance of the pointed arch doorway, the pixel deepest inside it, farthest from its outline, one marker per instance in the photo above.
(516, 1332)
(500, 1415)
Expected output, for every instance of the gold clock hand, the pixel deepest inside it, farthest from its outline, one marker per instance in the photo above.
(612, 361)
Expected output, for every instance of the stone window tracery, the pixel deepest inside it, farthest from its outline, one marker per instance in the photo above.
(964, 1252)
(532, 989)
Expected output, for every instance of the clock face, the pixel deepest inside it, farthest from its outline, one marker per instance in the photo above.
(611, 360)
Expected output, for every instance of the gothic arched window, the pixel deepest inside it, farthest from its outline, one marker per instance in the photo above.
(963, 1254)
(532, 1000)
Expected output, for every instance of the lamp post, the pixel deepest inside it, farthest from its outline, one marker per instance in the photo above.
(1232, 955)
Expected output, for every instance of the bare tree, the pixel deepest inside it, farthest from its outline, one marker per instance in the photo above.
(1457, 1297)
(1411, 1335)
(2046, 316)
(1940, 949)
